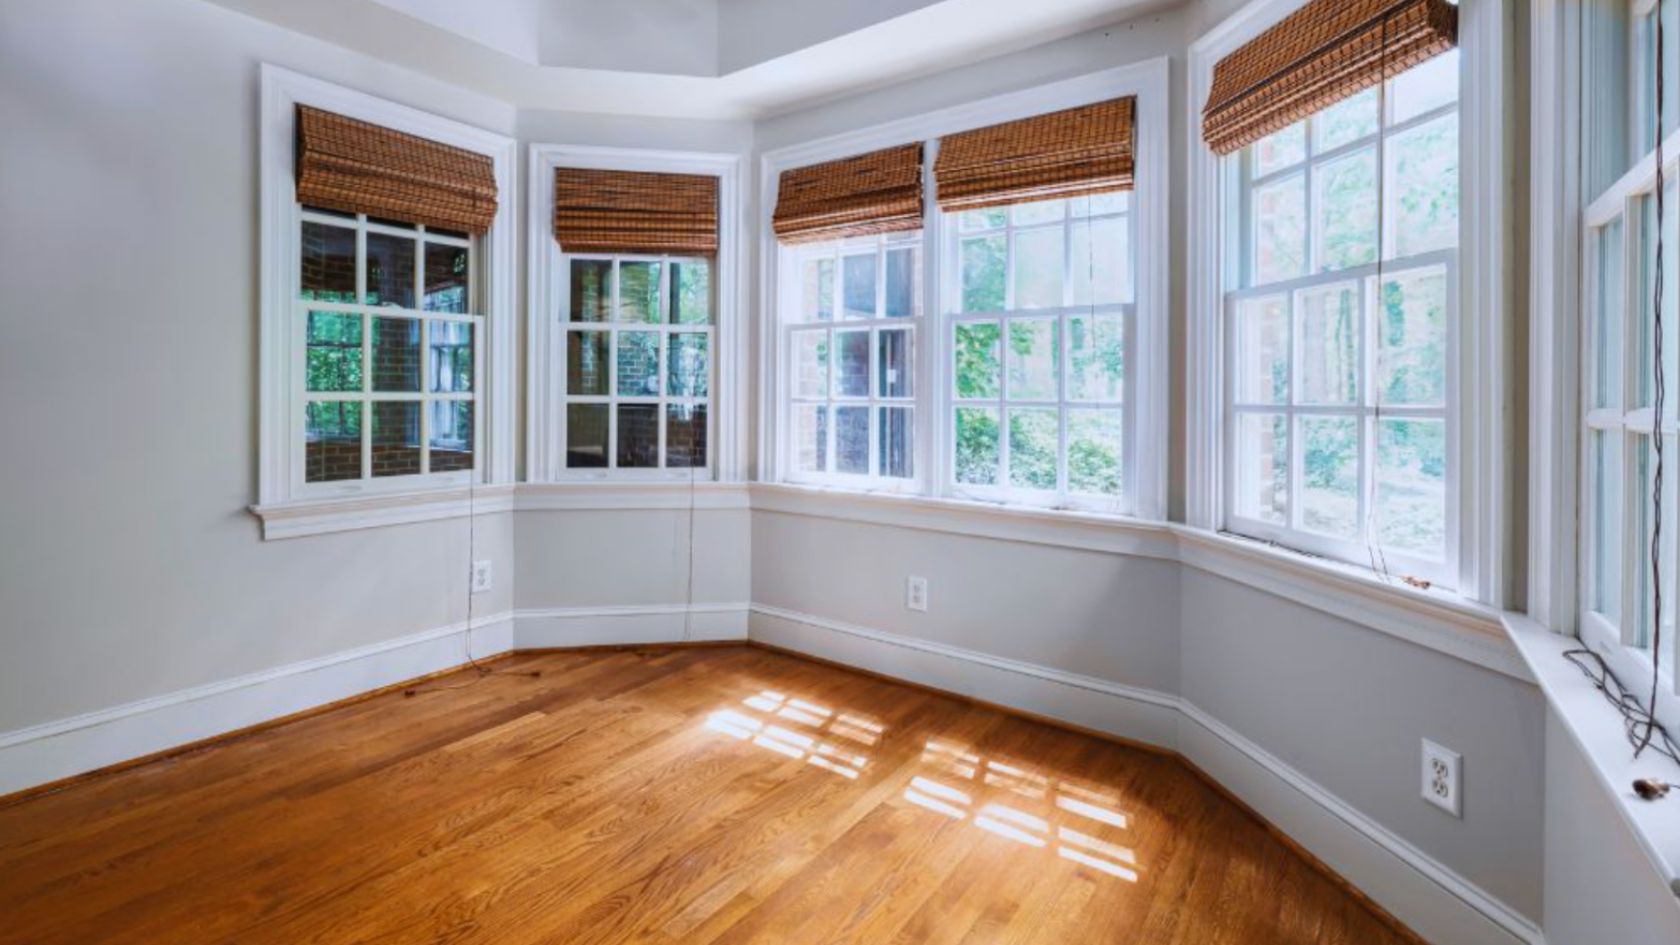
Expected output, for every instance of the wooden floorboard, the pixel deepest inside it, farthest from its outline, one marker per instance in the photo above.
(727, 795)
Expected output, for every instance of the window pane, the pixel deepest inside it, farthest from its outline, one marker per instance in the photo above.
(332, 438)
(983, 259)
(586, 435)
(1429, 85)
(818, 291)
(1412, 338)
(691, 292)
(685, 435)
(1099, 261)
(586, 363)
(1033, 359)
(1114, 201)
(1411, 485)
(1423, 172)
(810, 437)
(396, 437)
(1261, 483)
(1038, 268)
(852, 364)
(451, 438)
(1330, 475)
(390, 270)
(1328, 344)
(977, 365)
(1605, 592)
(1096, 357)
(591, 290)
(977, 445)
(1280, 149)
(904, 298)
(1280, 230)
(1041, 211)
(860, 276)
(446, 279)
(810, 353)
(851, 440)
(986, 218)
(1033, 434)
(897, 442)
(638, 436)
(1640, 631)
(328, 271)
(689, 373)
(1261, 348)
(1095, 439)
(638, 292)
(898, 361)
(333, 358)
(452, 357)
(1346, 121)
(395, 351)
(1609, 317)
(638, 364)
(1345, 208)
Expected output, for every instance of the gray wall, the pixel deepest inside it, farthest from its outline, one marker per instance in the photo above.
(600, 558)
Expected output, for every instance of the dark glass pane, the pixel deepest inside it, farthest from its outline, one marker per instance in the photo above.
(446, 279)
(687, 365)
(638, 288)
(451, 439)
(328, 271)
(586, 435)
(638, 435)
(451, 345)
(332, 437)
(852, 367)
(591, 290)
(851, 440)
(334, 352)
(897, 361)
(396, 438)
(898, 438)
(691, 292)
(396, 354)
(903, 296)
(685, 435)
(586, 362)
(638, 364)
(390, 270)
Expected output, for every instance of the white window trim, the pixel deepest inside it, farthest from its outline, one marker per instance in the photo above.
(1482, 435)
(727, 404)
(1149, 81)
(279, 441)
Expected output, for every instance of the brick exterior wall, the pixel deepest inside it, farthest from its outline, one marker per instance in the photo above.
(330, 460)
(329, 263)
(395, 353)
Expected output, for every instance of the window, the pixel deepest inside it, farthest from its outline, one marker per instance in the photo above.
(637, 371)
(1341, 424)
(1040, 317)
(850, 331)
(389, 317)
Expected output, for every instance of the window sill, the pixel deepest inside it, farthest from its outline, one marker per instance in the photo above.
(326, 516)
(1597, 731)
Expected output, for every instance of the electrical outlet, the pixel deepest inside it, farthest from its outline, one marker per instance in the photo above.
(481, 577)
(1441, 784)
(915, 593)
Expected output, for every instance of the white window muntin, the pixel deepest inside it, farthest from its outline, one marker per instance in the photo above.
(613, 327)
(298, 330)
(952, 305)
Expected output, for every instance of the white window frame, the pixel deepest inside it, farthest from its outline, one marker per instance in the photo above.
(281, 441)
(613, 328)
(1147, 356)
(1482, 439)
(727, 403)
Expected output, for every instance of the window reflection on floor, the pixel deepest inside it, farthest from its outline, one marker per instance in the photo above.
(1003, 797)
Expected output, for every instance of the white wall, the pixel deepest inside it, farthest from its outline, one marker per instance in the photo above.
(509, 26)
(676, 37)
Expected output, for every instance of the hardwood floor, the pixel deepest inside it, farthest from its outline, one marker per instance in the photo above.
(707, 795)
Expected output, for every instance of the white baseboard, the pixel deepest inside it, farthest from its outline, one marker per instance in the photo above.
(1430, 898)
(652, 623)
(54, 750)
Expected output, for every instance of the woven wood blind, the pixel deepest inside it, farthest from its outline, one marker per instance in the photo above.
(598, 211)
(1070, 153)
(357, 167)
(1317, 56)
(878, 192)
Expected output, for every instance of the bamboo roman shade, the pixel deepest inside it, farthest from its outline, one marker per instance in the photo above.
(357, 167)
(1070, 153)
(599, 211)
(1326, 51)
(878, 192)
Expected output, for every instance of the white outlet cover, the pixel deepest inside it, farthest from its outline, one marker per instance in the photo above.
(481, 576)
(1443, 783)
(916, 593)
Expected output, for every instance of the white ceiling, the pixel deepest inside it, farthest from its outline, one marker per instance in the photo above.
(737, 59)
